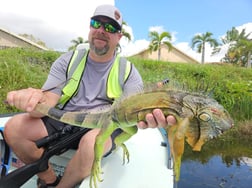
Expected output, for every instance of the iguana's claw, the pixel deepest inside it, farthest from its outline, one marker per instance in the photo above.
(95, 174)
(125, 153)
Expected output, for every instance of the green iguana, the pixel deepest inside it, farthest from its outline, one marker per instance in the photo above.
(199, 118)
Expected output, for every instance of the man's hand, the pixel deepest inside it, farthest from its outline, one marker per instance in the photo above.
(25, 99)
(156, 119)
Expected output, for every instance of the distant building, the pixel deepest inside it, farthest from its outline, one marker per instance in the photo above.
(10, 40)
(175, 55)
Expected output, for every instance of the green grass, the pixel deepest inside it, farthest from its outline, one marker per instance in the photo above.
(231, 86)
(22, 68)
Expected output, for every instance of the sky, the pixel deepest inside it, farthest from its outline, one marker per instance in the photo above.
(57, 22)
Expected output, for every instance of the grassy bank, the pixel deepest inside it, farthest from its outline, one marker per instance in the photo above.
(231, 86)
(22, 68)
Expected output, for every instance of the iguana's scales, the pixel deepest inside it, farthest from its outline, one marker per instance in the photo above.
(199, 118)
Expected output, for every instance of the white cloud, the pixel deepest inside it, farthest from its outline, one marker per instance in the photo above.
(134, 47)
(158, 29)
(247, 27)
(55, 22)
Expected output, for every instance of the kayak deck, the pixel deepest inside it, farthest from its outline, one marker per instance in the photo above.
(147, 167)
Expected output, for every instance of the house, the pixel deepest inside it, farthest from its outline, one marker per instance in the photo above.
(9, 40)
(175, 55)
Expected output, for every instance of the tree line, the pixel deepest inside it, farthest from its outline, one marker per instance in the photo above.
(239, 45)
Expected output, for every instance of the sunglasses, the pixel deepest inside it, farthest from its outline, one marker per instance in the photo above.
(108, 27)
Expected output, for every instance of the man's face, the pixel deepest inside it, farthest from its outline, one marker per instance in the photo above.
(103, 36)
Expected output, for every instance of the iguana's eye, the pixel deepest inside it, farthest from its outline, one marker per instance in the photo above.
(204, 116)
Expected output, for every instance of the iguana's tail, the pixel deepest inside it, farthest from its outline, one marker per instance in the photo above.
(87, 119)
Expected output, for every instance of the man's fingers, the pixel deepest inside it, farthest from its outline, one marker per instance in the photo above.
(10, 98)
(20, 99)
(151, 121)
(160, 118)
(156, 119)
(36, 97)
(171, 120)
(25, 99)
(142, 125)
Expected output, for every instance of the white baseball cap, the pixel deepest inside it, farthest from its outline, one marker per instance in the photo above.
(109, 11)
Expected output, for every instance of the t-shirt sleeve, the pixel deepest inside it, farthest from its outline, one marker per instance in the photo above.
(134, 83)
(57, 76)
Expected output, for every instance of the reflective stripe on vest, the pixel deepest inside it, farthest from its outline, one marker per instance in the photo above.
(74, 73)
(118, 74)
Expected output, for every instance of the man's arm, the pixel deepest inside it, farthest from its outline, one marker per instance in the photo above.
(27, 99)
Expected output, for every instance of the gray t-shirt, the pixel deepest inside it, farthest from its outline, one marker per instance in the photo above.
(92, 90)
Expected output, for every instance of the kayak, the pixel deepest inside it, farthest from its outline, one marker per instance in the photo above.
(147, 168)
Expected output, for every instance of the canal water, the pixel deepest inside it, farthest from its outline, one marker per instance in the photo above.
(215, 174)
(223, 164)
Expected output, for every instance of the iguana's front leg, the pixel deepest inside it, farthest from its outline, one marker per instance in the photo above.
(124, 136)
(176, 138)
(107, 129)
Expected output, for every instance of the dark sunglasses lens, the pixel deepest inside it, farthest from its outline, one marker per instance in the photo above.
(95, 24)
(107, 26)
(110, 28)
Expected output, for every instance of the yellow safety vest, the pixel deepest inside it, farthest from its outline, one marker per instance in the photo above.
(118, 74)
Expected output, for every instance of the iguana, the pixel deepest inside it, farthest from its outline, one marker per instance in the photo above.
(199, 118)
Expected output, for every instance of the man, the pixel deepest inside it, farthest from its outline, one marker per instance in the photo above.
(23, 129)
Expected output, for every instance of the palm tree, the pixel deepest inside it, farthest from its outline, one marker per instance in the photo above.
(76, 42)
(232, 36)
(124, 32)
(200, 40)
(239, 47)
(157, 40)
(245, 46)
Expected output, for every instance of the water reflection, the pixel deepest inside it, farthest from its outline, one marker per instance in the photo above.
(222, 164)
(247, 161)
(214, 174)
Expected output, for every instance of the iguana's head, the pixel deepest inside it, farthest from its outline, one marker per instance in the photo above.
(209, 119)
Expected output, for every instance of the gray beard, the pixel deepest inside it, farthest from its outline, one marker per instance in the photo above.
(99, 51)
